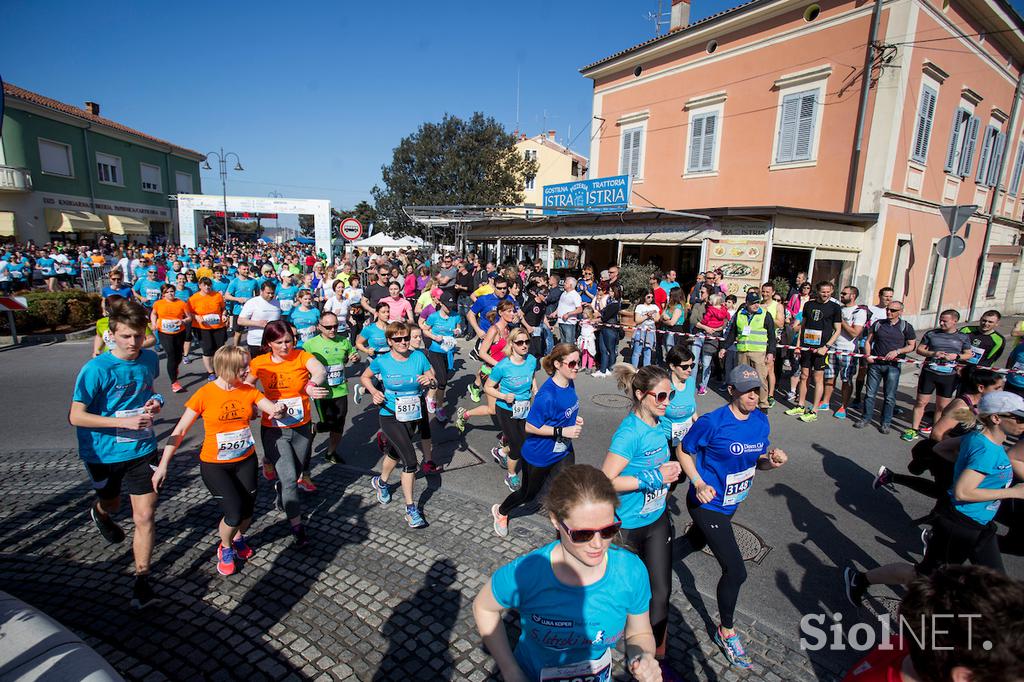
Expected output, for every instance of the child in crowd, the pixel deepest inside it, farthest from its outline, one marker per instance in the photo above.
(588, 337)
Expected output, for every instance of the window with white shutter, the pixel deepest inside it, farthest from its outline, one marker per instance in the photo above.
(923, 130)
(183, 182)
(971, 137)
(1018, 167)
(796, 127)
(703, 135)
(631, 155)
(998, 148)
(55, 158)
(986, 154)
(150, 177)
(957, 135)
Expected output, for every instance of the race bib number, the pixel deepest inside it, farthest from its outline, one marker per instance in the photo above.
(598, 670)
(679, 429)
(448, 343)
(737, 486)
(520, 408)
(211, 319)
(132, 435)
(407, 408)
(152, 294)
(812, 337)
(976, 355)
(286, 305)
(746, 331)
(654, 500)
(537, 330)
(335, 374)
(306, 333)
(234, 444)
(170, 326)
(294, 413)
(561, 445)
(941, 367)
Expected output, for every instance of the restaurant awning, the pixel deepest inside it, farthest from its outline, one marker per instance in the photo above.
(6, 224)
(74, 221)
(126, 225)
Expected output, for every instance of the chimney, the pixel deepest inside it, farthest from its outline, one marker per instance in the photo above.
(551, 134)
(93, 108)
(680, 15)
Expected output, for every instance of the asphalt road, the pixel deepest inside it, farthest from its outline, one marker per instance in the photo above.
(806, 521)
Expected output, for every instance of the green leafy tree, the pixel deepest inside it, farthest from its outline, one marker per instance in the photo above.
(364, 212)
(454, 162)
(306, 224)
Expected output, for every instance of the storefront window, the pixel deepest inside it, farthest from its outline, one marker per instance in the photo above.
(838, 272)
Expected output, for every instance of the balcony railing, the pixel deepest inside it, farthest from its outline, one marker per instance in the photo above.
(14, 179)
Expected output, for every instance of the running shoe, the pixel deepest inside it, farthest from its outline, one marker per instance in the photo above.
(474, 393)
(794, 411)
(840, 414)
(440, 415)
(500, 522)
(499, 457)
(863, 423)
(110, 531)
(358, 392)
(460, 419)
(269, 472)
(884, 429)
(791, 397)
(882, 479)
(824, 407)
(702, 390)
(414, 518)
(771, 404)
(855, 585)
(808, 417)
(299, 537)
(383, 490)
(383, 443)
(242, 548)
(211, 377)
(225, 560)
(925, 430)
(431, 405)
(512, 481)
(176, 387)
(474, 355)
(142, 593)
(186, 360)
(909, 435)
(733, 649)
(306, 483)
(430, 468)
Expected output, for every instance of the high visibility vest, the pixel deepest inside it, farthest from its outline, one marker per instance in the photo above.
(751, 334)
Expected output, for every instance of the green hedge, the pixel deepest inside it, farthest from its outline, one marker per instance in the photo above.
(53, 311)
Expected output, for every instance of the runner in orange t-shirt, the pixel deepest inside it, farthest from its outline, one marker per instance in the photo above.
(291, 377)
(209, 318)
(169, 318)
(227, 464)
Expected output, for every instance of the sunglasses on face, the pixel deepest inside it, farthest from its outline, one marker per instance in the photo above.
(688, 365)
(894, 310)
(662, 396)
(1014, 417)
(400, 339)
(572, 364)
(501, 288)
(521, 342)
(579, 536)
(329, 326)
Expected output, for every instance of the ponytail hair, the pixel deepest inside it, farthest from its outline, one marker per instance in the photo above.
(557, 354)
(965, 416)
(631, 379)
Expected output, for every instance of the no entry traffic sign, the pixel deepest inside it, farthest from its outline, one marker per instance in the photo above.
(351, 229)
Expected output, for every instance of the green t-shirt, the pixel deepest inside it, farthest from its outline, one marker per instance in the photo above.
(333, 354)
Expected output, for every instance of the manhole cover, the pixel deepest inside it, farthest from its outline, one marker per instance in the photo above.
(611, 400)
(752, 547)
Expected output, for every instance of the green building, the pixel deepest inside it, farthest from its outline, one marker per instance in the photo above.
(67, 172)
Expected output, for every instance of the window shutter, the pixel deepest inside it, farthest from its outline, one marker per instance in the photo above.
(1018, 166)
(696, 137)
(805, 129)
(627, 138)
(969, 141)
(954, 135)
(997, 159)
(986, 155)
(634, 157)
(926, 111)
(710, 131)
(787, 128)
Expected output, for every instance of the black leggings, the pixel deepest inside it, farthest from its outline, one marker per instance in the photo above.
(957, 539)
(533, 478)
(923, 456)
(212, 339)
(399, 435)
(174, 346)
(514, 430)
(714, 530)
(653, 544)
(234, 486)
(439, 363)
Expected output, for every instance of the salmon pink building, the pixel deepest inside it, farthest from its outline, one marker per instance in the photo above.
(815, 136)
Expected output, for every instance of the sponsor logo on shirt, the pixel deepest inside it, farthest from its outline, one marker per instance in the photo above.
(741, 448)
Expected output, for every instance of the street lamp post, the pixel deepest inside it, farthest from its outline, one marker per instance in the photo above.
(222, 160)
(277, 221)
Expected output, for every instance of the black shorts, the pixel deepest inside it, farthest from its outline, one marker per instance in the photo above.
(134, 476)
(943, 385)
(212, 339)
(332, 412)
(809, 359)
(439, 363)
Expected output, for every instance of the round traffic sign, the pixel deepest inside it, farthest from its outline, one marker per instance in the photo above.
(955, 249)
(351, 229)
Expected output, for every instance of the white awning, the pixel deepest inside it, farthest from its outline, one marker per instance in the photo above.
(126, 225)
(73, 221)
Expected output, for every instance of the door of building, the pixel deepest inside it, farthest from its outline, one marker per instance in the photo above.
(786, 262)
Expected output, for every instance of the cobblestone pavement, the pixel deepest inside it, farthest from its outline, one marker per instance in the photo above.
(369, 599)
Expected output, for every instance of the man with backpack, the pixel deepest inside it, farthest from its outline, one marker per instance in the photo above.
(888, 341)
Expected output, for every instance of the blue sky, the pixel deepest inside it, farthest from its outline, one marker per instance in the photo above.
(313, 96)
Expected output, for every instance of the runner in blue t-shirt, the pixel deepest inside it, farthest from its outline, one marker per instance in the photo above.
(442, 327)
(371, 341)
(147, 288)
(304, 318)
(681, 411)
(720, 454)
(240, 290)
(511, 384)
(552, 423)
(112, 408)
(403, 375)
(640, 466)
(577, 598)
(286, 294)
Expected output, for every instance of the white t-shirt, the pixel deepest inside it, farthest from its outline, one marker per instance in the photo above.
(641, 311)
(854, 316)
(875, 314)
(258, 308)
(123, 265)
(61, 263)
(568, 302)
(5, 274)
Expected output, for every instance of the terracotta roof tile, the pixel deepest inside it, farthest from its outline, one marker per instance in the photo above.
(14, 92)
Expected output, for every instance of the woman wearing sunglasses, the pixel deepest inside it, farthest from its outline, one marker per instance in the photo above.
(577, 597)
(640, 466)
(403, 374)
(721, 453)
(511, 384)
(552, 423)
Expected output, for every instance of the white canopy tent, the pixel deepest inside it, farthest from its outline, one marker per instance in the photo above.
(386, 242)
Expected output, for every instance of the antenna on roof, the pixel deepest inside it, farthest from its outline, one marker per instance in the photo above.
(659, 18)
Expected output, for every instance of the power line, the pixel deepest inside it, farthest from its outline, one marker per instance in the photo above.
(281, 184)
